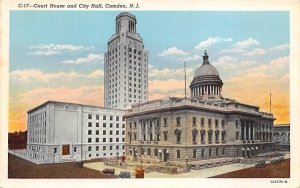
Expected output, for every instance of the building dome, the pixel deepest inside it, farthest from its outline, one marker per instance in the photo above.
(206, 70)
(206, 81)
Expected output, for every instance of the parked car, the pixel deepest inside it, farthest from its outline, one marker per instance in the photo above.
(260, 164)
(124, 174)
(274, 161)
(108, 171)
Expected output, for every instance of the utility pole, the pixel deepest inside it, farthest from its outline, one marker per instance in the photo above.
(184, 80)
(270, 103)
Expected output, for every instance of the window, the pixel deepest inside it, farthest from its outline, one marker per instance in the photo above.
(75, 149)
(104, 139)
(90, 116)
(89, 140)
(178, 120)
(216, 122)
(194, 120)
(202, 153)
(130, 125)
(123, 139)
(104, 125)
(66, 150)
(117, 132)
(134, 125)
(237, 135)
(97, 124)
(134, 136)
(209, 122)
(110, 147)
(202, 136)
(117, 118)
(110, 132)
(104, 117)
(90, 124)
(237, 124)
(104, 132)
(117, 125)
(117, 147)
(165, 136)
(117, 139)
(110, 140)
(178, 153)
(210, 136)
(223, 123)
(195, 153)
(97, 148)
(90, 148)
(97, 117)
(89, 132)
(178, 135)
(111, 118)
(123, 125)
(104, 148)
(217, 136)
(97, 140)
(110, 125)
(209, 152)
(194, 137)
(202, 121)
(97, 132)
(217, 151)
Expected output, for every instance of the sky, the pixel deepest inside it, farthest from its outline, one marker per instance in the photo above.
(58, 55)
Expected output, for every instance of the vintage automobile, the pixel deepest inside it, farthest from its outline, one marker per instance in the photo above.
(274, 160)
(124, 174)
(108, 171)
(260, 164)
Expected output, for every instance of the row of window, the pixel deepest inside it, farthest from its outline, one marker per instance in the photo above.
(111, 118)
(97, 148)
(104, 132)
(111, 125)
(97, 140)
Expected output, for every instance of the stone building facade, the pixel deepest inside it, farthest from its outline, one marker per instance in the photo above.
(125, 65)
(63, 132)
(282, 137)
(202, 127)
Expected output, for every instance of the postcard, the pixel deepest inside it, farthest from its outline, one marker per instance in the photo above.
(135, 93)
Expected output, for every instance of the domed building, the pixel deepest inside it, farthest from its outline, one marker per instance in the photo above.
(207, 83)
(197, 129)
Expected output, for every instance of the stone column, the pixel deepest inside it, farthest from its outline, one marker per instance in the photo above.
(153, 129)
(253, 129)
(249, 131)
(245, 130)
(147, 124)
(140, 130)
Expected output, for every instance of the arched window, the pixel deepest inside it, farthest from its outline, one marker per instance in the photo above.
(202, 136)
(149, 151)
(178, 135)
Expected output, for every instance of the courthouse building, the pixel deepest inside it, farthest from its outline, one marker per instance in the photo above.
(63, 132)
(205, 126)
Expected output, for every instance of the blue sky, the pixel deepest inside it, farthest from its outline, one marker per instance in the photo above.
(63, 50)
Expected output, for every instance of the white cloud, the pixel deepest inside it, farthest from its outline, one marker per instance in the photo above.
(211, 41)
(280, 47)
(256, 51)
(167, 73)
(43, 53)
(53, 49)
(89, 58)
(36, 75)
(173, 52)
(241, 46)
(246, 43)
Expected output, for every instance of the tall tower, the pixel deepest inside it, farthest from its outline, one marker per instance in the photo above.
(125, 65)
